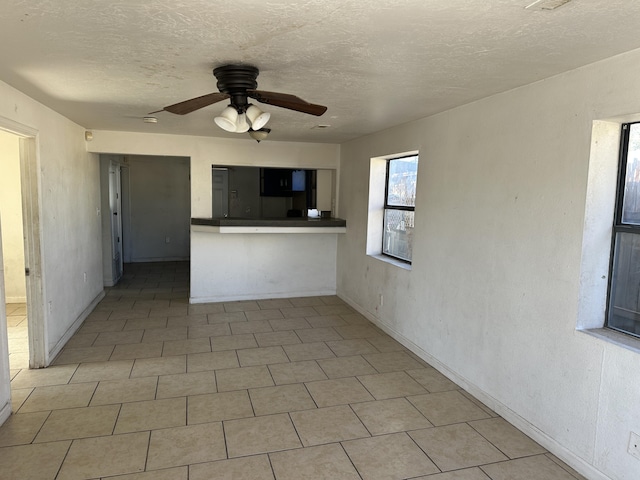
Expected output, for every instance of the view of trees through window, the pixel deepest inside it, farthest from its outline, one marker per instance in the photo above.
(399, 209)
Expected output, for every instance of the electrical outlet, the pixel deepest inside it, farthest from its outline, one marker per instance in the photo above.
(381, 300)
(85, 277)
(634, 445)
(167, 239)
(50, 307)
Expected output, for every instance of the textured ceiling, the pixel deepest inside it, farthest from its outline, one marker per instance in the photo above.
(375, 64)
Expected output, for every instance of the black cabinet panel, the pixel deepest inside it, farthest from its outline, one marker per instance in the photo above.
(275, 182)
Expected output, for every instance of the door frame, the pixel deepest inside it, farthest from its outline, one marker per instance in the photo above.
(115, 211)
(32, 229)
(219, 175)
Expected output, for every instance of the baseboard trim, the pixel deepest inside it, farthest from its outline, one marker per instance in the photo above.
(260, 296)
(560, 451)
(55, 351)
(15, 299)
(158, 259)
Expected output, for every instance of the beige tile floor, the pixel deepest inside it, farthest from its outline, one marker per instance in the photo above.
(151, 387)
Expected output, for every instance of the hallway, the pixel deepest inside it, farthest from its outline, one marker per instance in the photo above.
(300, 388)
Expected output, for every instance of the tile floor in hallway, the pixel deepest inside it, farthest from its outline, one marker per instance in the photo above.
(151, 387)
(18, 340)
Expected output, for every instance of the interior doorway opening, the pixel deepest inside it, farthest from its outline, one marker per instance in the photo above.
(25, 254)
(15, 288)
(147, 205)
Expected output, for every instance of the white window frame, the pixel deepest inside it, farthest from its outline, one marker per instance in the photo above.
(375, 217)
(603, 154)
(621, 227)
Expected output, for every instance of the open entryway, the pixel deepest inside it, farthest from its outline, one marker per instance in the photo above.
(22, 329)
(15, 288)
(21, 257)
(147, 201)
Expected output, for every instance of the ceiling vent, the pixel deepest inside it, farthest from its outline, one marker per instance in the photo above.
(546, 4)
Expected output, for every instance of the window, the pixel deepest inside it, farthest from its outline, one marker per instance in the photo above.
(399, 207)
(623, 306)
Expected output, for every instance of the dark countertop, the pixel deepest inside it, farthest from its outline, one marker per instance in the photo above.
(270, 222)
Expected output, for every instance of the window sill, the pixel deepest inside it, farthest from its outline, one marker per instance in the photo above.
(392, 261)
(615, 337)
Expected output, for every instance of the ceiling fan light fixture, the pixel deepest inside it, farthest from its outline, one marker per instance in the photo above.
(259, 135)
(242, 125)
(257, 117)
(228, 119)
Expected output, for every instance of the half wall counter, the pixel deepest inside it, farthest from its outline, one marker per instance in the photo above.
(258, 258)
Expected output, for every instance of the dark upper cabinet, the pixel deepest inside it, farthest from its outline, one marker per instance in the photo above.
(276, 182)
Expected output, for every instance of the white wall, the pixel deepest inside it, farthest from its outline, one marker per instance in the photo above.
(247, 266)
(160, 208)
(493, 297)
(68, 206)
(11, 214)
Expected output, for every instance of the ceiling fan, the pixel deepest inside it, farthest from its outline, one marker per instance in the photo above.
(238, 83)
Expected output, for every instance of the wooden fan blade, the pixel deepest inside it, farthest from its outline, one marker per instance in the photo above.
(194, 104)
(285, 100)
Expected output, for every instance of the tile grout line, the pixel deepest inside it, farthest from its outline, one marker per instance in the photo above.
(64, 458)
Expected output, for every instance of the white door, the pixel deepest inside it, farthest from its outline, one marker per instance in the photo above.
(220, 192)
(116, 220)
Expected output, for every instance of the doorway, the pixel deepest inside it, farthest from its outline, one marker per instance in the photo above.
(15, 289)
(147, 205)
(21, 256)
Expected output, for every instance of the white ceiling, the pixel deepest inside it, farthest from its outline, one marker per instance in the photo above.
(374, 63)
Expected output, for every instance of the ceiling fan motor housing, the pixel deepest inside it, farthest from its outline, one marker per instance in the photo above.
(235, 80)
